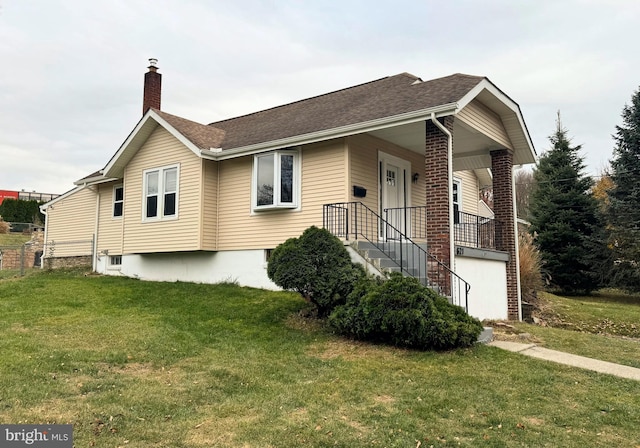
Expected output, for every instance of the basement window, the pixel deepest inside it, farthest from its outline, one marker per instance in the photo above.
(276, 180)
(115, 260)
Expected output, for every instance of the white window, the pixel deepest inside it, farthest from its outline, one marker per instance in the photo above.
(457, 200)
(161, 193)
(115, 260)
(276, 180)
(118, 201)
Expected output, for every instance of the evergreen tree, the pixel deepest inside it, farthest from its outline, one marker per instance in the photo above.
(565, 218)
(624, 199)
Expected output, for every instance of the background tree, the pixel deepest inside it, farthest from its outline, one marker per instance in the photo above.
(624, 199)
(564, 216)
(525, 184)
(18, 210)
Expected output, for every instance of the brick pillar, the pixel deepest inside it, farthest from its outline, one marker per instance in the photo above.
(437, 200)
(152, 88)
(502, 170)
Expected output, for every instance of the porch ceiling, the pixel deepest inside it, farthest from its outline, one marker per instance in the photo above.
(470, 147)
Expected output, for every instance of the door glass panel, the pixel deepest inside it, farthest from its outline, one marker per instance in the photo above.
(391, 178)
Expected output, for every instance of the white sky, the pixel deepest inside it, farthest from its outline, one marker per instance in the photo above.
(71, 71)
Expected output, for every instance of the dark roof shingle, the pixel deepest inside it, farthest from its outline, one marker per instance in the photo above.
(202, 136)
(386, 97)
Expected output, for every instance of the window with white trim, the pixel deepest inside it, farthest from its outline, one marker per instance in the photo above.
(276, 179)
(457, 192)
(115, 260)
(161, 193)
(118, 201)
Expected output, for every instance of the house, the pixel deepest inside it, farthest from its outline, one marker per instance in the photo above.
(393, 167)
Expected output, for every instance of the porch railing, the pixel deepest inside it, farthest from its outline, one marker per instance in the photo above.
(475, 231)
(468, 230)
(354, 220)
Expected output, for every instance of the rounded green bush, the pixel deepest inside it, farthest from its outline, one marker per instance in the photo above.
(316, 265)
(402, 312)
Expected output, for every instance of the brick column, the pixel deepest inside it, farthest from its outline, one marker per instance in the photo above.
(437, 201)
(502, 170)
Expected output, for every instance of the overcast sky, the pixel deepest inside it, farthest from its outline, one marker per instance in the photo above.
(71, 71)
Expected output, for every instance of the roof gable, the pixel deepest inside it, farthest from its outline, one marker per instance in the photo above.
(194, 136)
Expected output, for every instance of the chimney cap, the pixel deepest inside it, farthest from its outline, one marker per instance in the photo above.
(153, 64)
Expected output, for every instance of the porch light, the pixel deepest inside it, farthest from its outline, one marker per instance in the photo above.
(415, 177)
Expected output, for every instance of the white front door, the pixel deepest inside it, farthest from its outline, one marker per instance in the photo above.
(394, 192)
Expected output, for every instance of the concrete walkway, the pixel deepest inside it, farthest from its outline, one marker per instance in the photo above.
(582, 362)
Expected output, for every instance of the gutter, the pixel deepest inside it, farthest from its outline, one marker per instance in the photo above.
(368, 126)
(446, 132)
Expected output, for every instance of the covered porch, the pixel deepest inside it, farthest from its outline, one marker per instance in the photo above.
(483, 133)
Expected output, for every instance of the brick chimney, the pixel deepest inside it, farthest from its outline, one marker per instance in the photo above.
(152, 87)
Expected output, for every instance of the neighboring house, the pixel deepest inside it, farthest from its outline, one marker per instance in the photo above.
(396, 159)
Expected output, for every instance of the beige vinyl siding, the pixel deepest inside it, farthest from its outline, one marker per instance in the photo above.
(71, 224)
(481, 118)
(209, 204)
(109, 228)
(364, 169)
(323, 180)
(470, 193)
(168, 235)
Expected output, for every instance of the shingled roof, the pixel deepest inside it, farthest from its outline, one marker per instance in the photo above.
(204, 137)
(386, 97)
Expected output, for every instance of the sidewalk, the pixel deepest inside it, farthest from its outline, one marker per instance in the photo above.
(582, 362)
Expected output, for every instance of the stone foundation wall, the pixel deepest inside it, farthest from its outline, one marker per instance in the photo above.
(69, 262)
(12, 257)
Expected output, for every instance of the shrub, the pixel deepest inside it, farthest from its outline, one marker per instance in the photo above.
(531, 275)
(402, 312)
(4, 226)
(317, 266)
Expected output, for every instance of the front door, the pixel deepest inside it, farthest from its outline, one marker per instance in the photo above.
(394, 194)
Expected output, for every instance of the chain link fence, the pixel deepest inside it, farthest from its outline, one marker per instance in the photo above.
(18, 259)
(67, 254)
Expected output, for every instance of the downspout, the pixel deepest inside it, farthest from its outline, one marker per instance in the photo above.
(446, 132)
(517, 238)
(46, 232)
(95, 233)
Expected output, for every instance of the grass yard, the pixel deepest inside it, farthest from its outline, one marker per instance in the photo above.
(604, 326)
(141, 364)
(13, 239)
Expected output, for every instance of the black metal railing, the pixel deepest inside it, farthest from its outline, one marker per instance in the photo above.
(354, 220)
(475, 231)
(468, 230)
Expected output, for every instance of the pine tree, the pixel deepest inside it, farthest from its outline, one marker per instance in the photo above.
(624, 199)
(564, 217)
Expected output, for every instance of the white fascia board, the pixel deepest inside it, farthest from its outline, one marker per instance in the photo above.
(46, 205)
(95, 180)
(126, 146)
(487, 85)
(359, 128)
(181, 138)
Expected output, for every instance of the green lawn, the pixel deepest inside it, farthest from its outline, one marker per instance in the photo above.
(604, 326)
(13, 239)
(141, 364)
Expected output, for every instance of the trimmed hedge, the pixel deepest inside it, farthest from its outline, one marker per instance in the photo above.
(402, 312)
(317, 266)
